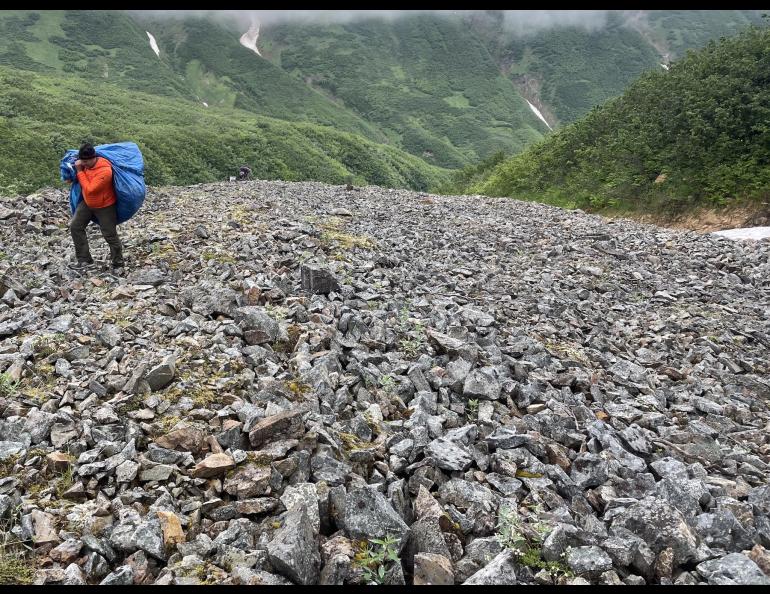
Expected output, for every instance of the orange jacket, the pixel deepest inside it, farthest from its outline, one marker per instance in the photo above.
(96, 184)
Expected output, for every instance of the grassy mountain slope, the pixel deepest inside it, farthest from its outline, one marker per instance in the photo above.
(210, 58)
(567, 71)
(198, 60)
(42, 115)
(95, 45)
(696, 134)
(429, 82)
(681, 30)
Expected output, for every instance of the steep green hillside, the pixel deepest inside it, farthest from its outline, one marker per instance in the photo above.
(428, 81)
(95, 45)
(198, 60)
(566, 71)
(448, 90)
(680, 30)
(214, 63)
(699, 133)
(42, 115)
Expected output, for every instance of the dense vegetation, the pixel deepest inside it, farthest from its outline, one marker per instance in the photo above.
(449, 91)
(429, 82)
(699, 133)
(43, 115)
(570, 69)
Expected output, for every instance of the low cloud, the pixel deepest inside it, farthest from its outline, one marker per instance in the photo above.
(520, 22)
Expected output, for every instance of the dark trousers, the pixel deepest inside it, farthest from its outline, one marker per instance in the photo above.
(108, 223)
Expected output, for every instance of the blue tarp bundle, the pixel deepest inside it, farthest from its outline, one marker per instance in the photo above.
(127, 177)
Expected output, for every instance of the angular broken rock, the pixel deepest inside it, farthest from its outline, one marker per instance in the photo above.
(185, 439)
(44, 527)
(660, 525)
(284, 425)
(162, 375)
(249, 481)
(733, 569)
(294, 549)
(316, 279)
(448, 455)
(481, 384)
(589, 562)
(58, 461)
(213, 465)
(67, 551)
(432, 570)
(369, 515)
(258, 327)
(500, 571)
(173, 533)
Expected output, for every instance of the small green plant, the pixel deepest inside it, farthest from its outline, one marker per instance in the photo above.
(16, 557)
(8, 387)
(388, 384)
(376, 557)
(526, 543)
(473, 410)
(412, 335)
(64, 482)
(276, 312)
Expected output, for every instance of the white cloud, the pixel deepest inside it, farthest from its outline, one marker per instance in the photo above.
(518, 21)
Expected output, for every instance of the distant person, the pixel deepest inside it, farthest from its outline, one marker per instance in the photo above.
(244, 173)
(95, 177)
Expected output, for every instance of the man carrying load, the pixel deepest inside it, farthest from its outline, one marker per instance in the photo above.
(95, 177)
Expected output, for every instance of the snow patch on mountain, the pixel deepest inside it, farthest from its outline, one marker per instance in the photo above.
(538, 114)
(153, 44)
(752, 233)
(249, 39)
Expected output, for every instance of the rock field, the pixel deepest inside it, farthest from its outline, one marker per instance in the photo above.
(499, 392)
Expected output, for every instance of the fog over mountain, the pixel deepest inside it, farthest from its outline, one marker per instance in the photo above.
(517, 21)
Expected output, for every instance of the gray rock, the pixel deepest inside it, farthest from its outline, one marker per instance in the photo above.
(258, 327)
(162, 375)
(733, 569)
(122, 576)
(316, 279)
(448, 455)
(73, 576)
(589, 561)
(369, 515)
(500, 571)
(293, 551)
(481, 384)
(660, 525)
(110, 335)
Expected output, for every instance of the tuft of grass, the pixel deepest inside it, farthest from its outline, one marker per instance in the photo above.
(287, 346)
(347, 240)
(527, 544)
(209, 255)
(473, 409)
(376, 557)
(8, 387)
(6, 465)
(15, 569)
(350, 441)
(299, 389)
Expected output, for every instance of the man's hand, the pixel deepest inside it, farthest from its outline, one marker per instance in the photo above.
(79, 165)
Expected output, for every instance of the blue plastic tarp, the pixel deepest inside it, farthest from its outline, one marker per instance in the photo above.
(127, 177)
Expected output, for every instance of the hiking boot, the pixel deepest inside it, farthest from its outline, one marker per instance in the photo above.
(118, 269)
(81, 264)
